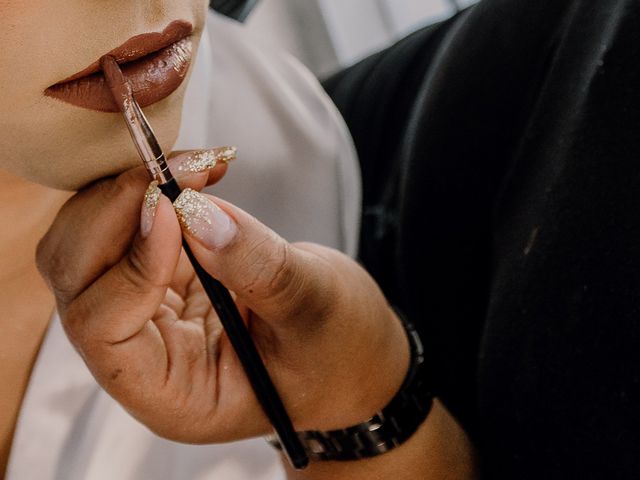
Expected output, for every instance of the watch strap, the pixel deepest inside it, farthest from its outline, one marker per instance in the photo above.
(388, 428)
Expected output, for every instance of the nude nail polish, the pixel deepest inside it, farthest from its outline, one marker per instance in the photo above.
(202, 160)
(203, 219)
(149, 208)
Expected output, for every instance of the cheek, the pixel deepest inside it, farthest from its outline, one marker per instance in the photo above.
(20, 25)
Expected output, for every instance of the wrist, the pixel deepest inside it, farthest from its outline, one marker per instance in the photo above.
(385, 429)
(439, 449)
(385, 369)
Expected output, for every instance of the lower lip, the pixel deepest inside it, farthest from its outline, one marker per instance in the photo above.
(153, 77)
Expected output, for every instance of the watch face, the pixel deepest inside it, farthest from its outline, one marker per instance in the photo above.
(236, 9)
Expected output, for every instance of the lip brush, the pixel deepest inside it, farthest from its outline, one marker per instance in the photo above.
(155, 162)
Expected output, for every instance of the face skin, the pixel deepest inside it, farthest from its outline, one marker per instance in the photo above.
(56, 144)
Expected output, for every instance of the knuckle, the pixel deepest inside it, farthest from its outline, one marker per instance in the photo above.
(301, 283)
(54, 268)
(137, 274)
(73, 319)
(127, 182)
(319, 286)
(122, 183)
(271, 271)
(281, 270)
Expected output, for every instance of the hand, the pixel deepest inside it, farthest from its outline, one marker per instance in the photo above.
(133, 308)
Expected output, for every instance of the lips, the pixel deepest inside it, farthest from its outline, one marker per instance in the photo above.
(154, 63)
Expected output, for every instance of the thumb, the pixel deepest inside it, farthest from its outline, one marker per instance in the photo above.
(275, 279)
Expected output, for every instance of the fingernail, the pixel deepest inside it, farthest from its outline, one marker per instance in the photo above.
(204, 219)
(149, 207)
(202, 160)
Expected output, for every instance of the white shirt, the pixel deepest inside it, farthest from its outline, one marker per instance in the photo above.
(296, 172)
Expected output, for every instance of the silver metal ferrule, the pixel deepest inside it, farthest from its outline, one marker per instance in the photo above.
(146, 142)
(159, 170)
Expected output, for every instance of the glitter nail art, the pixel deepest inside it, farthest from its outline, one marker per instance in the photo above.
(207, 159)
(149, 207)
(204, 219)
(152, 196)
(191, 208)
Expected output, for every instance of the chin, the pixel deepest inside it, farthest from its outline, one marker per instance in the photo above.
(82, 146)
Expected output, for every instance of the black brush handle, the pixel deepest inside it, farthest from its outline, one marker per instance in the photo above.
(246, 350)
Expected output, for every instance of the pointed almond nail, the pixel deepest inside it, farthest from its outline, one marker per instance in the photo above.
(202, 160)
(149, 207)
(204, 219)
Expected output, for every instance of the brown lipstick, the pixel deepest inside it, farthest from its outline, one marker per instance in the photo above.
(155, 65)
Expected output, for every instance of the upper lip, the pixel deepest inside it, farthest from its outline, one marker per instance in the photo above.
(139, 46)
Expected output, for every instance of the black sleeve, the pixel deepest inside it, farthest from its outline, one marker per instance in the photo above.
(434, 119)
(376, 98)
(501, 160)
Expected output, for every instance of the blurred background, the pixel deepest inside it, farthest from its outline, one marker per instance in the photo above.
(329, 34)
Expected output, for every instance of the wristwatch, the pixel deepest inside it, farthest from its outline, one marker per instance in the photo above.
(388, 428)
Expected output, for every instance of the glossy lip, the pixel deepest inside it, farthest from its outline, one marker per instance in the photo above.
(154, 63)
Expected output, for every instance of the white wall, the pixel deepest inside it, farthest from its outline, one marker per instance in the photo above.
(299, 27)
(328, 34)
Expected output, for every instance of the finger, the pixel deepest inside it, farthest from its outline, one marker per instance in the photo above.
(272, 277)
(198, 161)
(95, 227)
(110, 322)
(174, 301)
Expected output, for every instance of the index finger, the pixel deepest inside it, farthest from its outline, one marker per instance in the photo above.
(95, 228)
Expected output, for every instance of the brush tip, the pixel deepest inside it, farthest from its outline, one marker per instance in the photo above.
(107, 60)
(118, 84)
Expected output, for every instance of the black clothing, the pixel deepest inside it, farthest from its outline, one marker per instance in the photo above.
(500, 154)
(236, 9)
